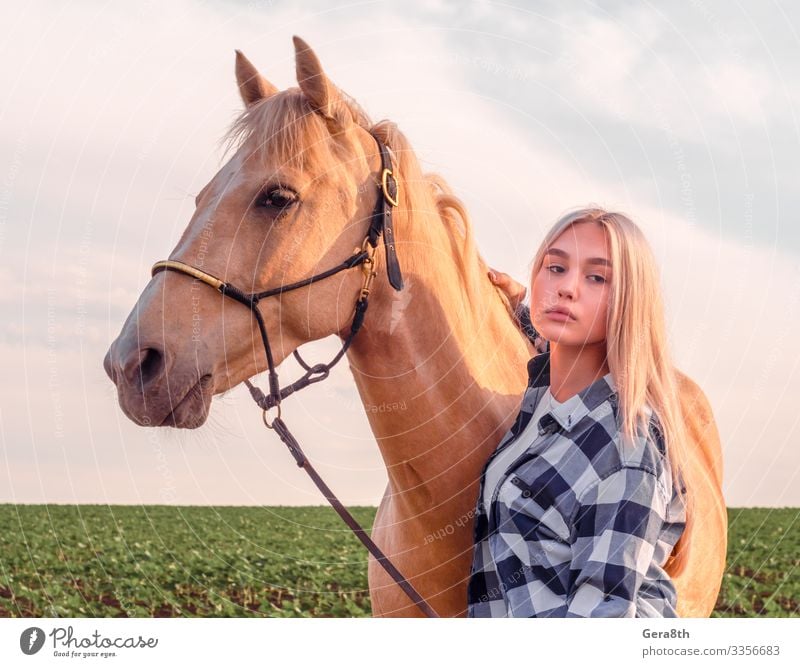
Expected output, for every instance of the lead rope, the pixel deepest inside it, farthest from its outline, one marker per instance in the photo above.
(321, 371)
(294, 447)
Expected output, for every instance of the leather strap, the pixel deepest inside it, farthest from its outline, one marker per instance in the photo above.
(382, 218)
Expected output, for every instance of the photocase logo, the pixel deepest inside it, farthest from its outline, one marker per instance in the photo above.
(31, 640)
(68, 645)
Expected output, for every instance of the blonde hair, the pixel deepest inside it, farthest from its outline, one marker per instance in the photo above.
(637, 350)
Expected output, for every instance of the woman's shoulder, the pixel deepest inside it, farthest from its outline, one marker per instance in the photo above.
(612, 456)
(647, 450)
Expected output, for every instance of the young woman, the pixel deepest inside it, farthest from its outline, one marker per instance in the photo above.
(582, 501)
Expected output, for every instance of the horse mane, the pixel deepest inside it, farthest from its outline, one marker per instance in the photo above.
(287, 126)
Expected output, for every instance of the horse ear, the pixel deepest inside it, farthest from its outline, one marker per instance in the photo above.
(318, 89)
(252, 86)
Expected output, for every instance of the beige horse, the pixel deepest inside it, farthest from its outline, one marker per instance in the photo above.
(440, 366)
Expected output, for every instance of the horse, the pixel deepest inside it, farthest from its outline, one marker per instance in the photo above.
(293, 199)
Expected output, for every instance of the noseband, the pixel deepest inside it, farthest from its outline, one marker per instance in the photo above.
(380, 224)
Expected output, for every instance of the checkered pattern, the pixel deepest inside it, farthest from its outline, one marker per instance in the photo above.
(580, 524)
(522, 314)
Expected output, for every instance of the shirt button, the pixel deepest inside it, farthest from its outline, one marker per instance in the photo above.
(526, 493)
(515, 481)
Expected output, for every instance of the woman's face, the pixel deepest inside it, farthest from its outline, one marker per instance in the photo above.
(575, 275)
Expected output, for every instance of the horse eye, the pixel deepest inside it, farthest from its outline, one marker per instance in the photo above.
(277, 198)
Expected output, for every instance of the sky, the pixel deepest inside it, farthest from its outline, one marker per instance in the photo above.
(111, 114)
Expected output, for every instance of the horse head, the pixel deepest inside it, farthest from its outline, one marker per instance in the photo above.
(296, 197)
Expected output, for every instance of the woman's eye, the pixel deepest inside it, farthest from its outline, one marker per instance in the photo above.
(554, 266)
(600, 280)
(278, 199)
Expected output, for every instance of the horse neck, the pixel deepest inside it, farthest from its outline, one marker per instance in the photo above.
(440, 373)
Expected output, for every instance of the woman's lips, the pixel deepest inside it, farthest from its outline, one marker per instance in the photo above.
(558, 316)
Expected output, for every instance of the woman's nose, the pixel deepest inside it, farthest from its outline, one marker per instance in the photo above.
(568, 286)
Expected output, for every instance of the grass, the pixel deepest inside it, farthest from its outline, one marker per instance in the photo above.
(101, 560)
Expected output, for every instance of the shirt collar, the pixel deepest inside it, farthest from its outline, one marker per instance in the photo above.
(574, 409)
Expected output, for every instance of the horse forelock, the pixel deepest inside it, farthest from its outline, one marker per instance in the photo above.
(283, 129)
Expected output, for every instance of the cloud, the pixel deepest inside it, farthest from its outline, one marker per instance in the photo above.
(111, 123)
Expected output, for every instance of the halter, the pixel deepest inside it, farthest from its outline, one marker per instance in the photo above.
(380, 224)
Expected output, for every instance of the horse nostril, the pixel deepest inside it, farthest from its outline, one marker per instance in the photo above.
(144, 366)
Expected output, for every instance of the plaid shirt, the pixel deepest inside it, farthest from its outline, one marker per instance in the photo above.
(579, 525)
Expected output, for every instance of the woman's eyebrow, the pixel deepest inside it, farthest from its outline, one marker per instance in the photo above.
(591, 260)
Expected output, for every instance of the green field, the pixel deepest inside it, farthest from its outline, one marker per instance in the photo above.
(100, 560)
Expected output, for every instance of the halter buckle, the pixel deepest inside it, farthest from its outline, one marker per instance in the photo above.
(368, 268)
(390, 190)
(269, 425)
